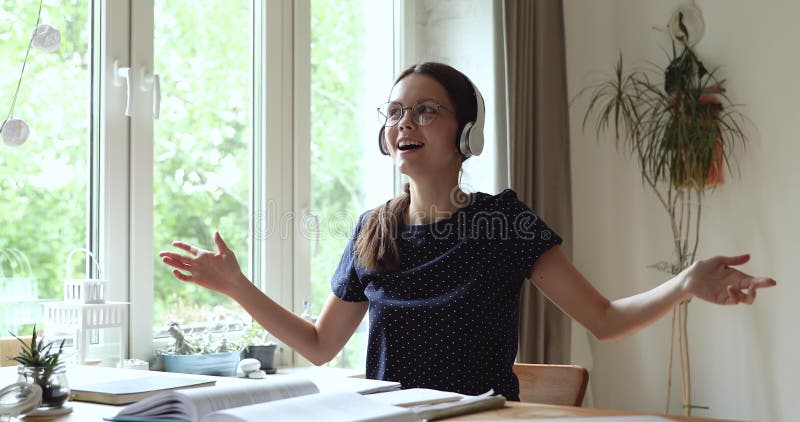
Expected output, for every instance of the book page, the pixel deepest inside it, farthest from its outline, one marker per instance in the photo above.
(416, 397)
(356, 385)
(124, 391)
(468, 404)
(328, 407)
(193, 404)
(170, 404)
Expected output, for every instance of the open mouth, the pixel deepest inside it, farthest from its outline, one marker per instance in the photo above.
(408, 144)
(409, 147)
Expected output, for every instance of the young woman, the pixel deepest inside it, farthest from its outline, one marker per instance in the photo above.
(440, 270)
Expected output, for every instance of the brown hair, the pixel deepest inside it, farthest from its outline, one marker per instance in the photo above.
(376, 245)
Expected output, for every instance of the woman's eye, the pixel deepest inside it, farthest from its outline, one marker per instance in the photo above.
(394, 112)
(427, 109)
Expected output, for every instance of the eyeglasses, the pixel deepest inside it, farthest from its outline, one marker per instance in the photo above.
(423, 113)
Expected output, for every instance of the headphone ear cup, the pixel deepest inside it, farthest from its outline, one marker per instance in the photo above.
(475, 140)
(382, 141)
(464, 146)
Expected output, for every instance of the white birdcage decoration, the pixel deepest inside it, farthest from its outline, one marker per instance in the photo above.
(84, 290)
(86, 309)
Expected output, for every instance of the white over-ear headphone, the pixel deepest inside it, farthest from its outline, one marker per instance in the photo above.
(469, 141)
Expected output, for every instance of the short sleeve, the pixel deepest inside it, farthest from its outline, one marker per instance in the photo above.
(346, 284)
(529, 236)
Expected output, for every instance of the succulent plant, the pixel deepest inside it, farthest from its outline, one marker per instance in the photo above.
(41, 365)
(38, 353)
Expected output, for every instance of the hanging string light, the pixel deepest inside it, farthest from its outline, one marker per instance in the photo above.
(45, 37)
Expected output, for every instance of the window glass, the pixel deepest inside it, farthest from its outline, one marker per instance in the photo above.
(201, 148)
(43, 182)
(351, 67)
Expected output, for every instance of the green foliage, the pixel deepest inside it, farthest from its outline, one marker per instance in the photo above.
(202, 141)
(39, 354)
(256, 335)
(337, 72)
(43, 183)
(202, 144)
(681, 134)
(682, 130)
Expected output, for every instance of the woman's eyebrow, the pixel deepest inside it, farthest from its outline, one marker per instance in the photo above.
(421, 100)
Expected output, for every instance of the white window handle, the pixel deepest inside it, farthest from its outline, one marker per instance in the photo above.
(124, 73)
(152, 81)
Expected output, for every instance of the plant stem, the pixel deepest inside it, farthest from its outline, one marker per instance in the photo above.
(669, 370)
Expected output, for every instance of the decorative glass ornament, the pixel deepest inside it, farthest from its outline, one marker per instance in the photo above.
(15, 132)
(46, 38)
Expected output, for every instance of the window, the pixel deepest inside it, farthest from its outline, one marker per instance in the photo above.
(202, 147)
(266, 131)
(44, 183)
(351, 73)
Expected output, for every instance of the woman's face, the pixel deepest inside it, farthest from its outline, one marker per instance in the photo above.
(436, 155)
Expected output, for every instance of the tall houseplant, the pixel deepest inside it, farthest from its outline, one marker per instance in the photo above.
(682, 128)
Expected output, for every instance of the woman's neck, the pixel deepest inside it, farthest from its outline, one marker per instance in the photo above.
(432, 201)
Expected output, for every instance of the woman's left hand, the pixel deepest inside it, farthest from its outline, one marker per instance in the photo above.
(715, 281)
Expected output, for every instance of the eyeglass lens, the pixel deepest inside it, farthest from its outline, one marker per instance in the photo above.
(422, 113)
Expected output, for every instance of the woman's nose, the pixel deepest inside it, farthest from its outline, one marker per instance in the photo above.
(407, 120)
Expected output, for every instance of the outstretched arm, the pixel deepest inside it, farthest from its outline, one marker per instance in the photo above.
(219, 271)
(713, 280)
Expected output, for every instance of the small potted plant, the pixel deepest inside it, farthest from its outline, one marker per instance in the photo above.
(40, 363)
(207, 359)
(257, 344)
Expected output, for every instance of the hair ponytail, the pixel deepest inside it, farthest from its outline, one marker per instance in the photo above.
(376, 246)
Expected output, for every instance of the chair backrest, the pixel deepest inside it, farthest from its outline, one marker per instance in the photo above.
(9, 347)
(552, 384)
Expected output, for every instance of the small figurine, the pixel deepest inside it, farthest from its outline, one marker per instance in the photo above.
(181, 346)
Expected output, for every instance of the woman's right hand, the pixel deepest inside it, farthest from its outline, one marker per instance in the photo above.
(218, 271)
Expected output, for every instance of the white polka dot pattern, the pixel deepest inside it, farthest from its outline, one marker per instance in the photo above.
(448, 318)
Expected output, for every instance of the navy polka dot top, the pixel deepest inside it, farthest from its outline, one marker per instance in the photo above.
(447, 319)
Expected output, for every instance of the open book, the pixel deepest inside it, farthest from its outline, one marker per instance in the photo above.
(292, 399)
(126, 391)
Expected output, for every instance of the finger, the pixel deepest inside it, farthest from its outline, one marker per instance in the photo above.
(174, 263)
(751, 295)
(746, 281)
(181, 276)
(735, 260)
(175, 256)
(764, 282)
(221, 245)
(185, 246)
(735, 295)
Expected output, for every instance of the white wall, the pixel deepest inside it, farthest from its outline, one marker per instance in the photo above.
(744, 359)
(462, 33)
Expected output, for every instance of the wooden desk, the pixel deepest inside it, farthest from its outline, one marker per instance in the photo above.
(87, 412)
(516, 410)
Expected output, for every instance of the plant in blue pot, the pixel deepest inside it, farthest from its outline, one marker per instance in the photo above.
(185, 357)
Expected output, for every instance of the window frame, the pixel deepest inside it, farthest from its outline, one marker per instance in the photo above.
(280, 159)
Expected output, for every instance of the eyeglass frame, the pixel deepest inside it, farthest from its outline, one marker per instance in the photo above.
(430, 102)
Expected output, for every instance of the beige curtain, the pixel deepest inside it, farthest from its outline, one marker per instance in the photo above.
(538, 133)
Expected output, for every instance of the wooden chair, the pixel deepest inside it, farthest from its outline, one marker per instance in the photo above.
(552, 384)
(9, 347)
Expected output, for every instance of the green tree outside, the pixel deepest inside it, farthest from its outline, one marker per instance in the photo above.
(202, 142)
